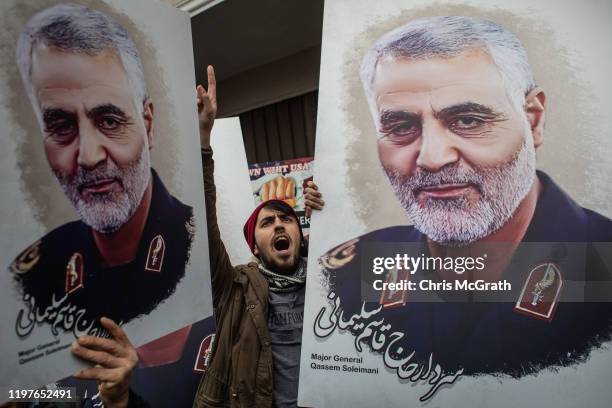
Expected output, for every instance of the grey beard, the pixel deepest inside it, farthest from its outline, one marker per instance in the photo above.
(458, 222)
(106, 213)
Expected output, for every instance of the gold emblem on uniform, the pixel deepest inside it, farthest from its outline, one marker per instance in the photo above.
(340, 255)
(26, 259)
(155, 257)
(74, 273)
(540, 293)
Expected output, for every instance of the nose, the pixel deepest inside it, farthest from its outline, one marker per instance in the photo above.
(437, 148)
(91, 147)
(278, 224)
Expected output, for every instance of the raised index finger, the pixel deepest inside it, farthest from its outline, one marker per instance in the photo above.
(212, 83)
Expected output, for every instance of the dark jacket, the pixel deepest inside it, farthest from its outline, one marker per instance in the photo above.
(240, 371)
(66, 264)
(484, 334)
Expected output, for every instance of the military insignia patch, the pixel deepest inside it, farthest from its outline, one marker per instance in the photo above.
(339, 256)
(155, 256)
(204, 353)
(74, 273)
(26, 259)
(540, 293)
(394, 298)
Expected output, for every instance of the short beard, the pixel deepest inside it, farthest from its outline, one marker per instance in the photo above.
(458, 222)
(106, 213)
(269, 264)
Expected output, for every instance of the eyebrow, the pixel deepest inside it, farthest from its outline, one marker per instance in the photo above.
(388, 117)
(52, 114)
(106, 109)
(279, 215)
(268, 218)
(468, 107)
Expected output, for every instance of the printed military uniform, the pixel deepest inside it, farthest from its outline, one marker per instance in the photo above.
(169, 385)
(562, 255)
(65, 266)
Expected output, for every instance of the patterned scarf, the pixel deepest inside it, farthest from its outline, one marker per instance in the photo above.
(285, 283)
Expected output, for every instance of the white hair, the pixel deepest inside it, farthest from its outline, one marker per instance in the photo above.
(78, 29)
(450, 36)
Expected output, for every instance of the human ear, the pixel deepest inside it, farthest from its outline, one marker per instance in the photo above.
(147, 114)
(535, 107)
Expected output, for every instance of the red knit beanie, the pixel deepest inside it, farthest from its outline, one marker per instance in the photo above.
(249, 226)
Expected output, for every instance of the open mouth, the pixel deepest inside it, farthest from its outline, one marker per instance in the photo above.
(281, 243)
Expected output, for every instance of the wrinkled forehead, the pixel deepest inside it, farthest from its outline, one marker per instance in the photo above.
(438, 81)
(73, 82)
(54, 68)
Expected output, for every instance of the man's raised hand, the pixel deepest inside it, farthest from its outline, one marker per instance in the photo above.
(207, 106)
(313, 199)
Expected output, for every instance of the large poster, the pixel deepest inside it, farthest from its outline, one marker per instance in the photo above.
(464, 255)
(234, 197)
(283, 180)
(102, 208)
(178, 360)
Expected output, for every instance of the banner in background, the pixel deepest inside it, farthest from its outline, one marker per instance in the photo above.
(283, 180)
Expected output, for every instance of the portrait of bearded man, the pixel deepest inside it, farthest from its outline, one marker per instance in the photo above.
(458, 118)
(84, 78)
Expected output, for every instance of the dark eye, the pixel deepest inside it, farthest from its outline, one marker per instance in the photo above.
(286, 218)
(403, 132)
(405, 129)
(466, 123)
(109, 123)
(62, 131)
